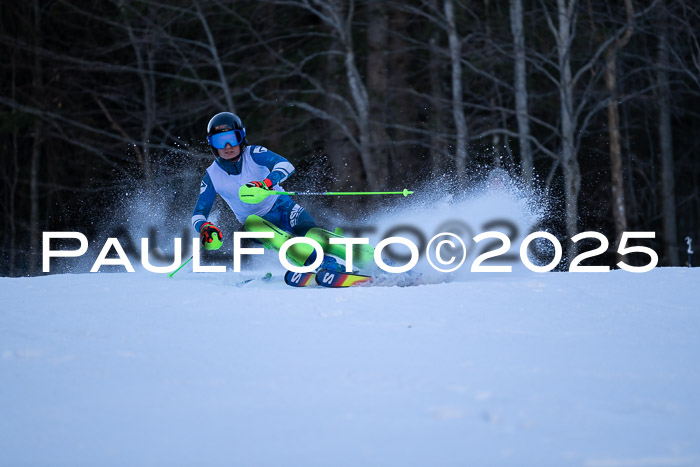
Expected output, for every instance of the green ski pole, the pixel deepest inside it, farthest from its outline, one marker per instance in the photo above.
(254, 195)
(183, 264)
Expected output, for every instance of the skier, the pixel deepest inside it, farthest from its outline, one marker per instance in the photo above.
(238, 163)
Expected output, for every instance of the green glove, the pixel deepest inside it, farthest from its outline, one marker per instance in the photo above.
(264, 184)
(210, 236)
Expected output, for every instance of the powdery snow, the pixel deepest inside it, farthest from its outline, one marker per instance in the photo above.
(597, 369)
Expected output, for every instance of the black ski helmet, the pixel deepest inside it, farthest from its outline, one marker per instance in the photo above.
(222, 122)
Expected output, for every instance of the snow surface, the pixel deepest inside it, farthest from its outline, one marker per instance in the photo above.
(117, 369)
(596, 369)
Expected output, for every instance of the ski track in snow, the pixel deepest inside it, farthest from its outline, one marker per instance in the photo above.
(597, 369)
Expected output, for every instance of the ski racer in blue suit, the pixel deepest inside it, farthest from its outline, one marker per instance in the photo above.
(238, 163)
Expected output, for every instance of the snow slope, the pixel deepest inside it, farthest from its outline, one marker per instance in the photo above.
(495, 369)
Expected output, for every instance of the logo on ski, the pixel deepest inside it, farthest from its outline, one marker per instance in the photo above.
(300, 279)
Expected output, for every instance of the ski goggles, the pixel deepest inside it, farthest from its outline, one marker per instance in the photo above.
(232, 137)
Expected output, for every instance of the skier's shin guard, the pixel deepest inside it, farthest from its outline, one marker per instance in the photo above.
(361, 254)
(296, 254)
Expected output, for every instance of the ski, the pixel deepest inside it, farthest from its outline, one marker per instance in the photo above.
(339, 279)
(300, 279)
(335, 279)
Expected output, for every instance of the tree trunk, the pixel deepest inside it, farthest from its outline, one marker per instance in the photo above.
(402, 107)
(11, 227)
(37, 139)
(460, 120)
(569, 158)
(616, 166)
(360, 98)
(438, 153)
(616, 170)
(520, 86)
(361, 101)
(377, 84)
(670, 234)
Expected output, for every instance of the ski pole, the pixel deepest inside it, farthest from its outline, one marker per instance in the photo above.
(183, 264)
(254, 195)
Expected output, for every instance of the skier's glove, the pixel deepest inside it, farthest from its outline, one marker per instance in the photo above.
(264, 184)
(210, 236)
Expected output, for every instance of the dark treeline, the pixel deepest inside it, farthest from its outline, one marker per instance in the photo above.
(595, 101)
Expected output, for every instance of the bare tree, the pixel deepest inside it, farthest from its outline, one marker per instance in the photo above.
(438, 144)
(337, 143)
(377, 83)
(578, 105)
(563, 32)
(334, 14)
(455, 47)
(520, 88)
(668, 196)
(38, 138)
(337, 18)
(616, 166)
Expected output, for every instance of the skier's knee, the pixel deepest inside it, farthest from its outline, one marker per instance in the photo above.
(301, 221)
(362, 254)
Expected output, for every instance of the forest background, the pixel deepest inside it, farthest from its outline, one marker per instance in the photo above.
(594, 103)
